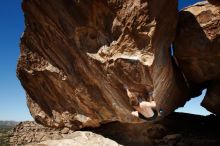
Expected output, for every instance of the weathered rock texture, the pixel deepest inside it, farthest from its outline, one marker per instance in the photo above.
(197, 50)
(78, 58)
(215, 2)
(174, 130)
(31, 132)
(80, 138)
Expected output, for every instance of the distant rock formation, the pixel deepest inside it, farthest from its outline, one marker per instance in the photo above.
(85, 63)
(176, 129)
(8, 124)
(197, 51)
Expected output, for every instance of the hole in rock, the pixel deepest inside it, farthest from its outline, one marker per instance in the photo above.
(171, 50)
(185, 3)
(193, 106)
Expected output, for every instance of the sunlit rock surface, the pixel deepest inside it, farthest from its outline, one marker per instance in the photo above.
(85, 63)
(197, 51)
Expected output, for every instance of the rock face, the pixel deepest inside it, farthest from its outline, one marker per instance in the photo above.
(197, 50)
(176, 129)
(84, 63)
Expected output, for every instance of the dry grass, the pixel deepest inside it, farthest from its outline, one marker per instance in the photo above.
(4, 136)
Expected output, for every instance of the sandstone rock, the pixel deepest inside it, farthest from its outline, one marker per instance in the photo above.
(181, 130)
(197, 51)
(172, 139)
(84, 63)
(215, 2)
(31, 132)
(65, 130)
(156, 131)
(81, 138)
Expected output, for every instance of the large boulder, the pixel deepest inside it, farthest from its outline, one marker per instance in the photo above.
(197, 51)
(84, 63)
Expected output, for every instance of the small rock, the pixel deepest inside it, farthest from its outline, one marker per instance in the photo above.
(173, 138)
(65, 130)
(156, 131)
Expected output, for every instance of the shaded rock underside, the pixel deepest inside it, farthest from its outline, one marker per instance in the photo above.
(176, 129)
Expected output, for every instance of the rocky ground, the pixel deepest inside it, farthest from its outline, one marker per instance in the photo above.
(31, 132)
(176, 130)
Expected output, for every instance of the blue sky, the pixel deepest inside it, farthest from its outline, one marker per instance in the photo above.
(12, 96)
(185, 3)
